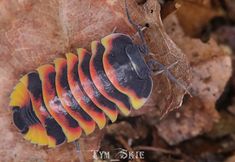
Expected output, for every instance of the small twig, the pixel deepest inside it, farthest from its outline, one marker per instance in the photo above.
(158, 150)
(79, 152)
(165, 151)
(136, 34)
(126, 146)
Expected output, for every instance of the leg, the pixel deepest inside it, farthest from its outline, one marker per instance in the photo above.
(157, 68)
(114, 30)
(166, 70)
(80, 154)
(137, 34)
(139, 30)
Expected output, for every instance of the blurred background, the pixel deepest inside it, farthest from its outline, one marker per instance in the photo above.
(198, 33)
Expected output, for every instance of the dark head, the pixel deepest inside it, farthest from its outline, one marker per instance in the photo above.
(136, 53)
(138, 62)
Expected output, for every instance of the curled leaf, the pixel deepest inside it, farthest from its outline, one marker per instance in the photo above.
(167, 95)
(211, 69)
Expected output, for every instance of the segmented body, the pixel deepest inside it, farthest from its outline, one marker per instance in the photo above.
(57, 102)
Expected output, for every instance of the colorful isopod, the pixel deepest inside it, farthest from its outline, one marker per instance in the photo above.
(58, 102)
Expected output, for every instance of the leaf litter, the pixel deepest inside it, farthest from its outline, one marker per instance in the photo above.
(34, 33)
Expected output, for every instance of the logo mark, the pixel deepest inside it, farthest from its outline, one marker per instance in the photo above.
(118, 154)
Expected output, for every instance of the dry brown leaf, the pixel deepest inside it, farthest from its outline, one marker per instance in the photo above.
(194, 119)
(224, 127)
(230, 159)
(226, 35)
(168, 8)
(88, 145)
(166, 95)
(35, 32)
(194, 15)
(124, 129)
(230, 5)
(211, 69)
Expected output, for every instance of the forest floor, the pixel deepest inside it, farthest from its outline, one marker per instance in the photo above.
(200, 34)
